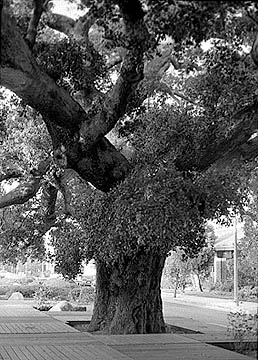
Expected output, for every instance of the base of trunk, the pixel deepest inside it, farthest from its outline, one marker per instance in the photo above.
(128, 296)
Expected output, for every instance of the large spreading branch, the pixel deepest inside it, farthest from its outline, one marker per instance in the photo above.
(21, 74)
(131, 73)
(87, 151)
(103, 165)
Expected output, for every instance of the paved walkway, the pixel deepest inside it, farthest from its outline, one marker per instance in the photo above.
(27, 334)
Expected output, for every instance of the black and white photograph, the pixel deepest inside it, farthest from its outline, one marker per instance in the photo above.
(128, 180)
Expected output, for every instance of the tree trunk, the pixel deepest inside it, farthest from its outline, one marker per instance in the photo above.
(176, 283)
(199, 283)
(128, 296)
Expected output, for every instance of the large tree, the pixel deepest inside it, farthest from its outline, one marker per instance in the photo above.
(67, 82)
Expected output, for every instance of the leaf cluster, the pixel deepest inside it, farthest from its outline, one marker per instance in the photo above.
(73, 65)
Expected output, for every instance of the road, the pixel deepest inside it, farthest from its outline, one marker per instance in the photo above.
(196, 313)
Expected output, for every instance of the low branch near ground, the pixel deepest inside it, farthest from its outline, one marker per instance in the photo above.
(28, 189)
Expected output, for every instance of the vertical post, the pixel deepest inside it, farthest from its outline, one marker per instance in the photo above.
(235, 267)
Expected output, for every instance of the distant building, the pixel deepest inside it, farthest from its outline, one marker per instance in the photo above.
(224, 249)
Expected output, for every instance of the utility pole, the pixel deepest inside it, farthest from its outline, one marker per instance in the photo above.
(236, 267)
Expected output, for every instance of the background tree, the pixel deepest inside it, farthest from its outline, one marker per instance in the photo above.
(176, 270)
(248, 251)
(201, 264)
(182, 154)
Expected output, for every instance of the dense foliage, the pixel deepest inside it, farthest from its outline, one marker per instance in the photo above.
(165, 200)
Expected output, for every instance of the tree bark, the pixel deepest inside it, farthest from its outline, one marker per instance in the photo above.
(128, 297)
(199, 283)
(176, 284)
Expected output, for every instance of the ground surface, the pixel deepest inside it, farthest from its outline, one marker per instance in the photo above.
(27, 334)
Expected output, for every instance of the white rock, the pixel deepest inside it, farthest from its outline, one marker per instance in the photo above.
(16, 296)
(62, 306)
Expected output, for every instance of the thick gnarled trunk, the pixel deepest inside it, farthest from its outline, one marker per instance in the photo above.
(128, 296)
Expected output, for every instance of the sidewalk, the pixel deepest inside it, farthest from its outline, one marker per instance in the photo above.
(27, 334)
(209, 302)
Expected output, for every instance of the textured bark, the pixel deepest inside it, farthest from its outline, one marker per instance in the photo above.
(49, 203)
(128, 298)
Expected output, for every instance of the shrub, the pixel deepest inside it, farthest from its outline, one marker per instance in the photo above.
(4, 290)
(225, 286)
(248, 292)
(47, 294)
(55, 292)
(243, 327)
(28, 291)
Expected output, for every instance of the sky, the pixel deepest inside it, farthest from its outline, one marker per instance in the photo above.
(66, 8)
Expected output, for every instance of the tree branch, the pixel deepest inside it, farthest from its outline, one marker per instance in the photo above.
(83, 25)
(39, 7)
(188, 65)
(244, 153)
(78, 29)
(25, 191)
(131, 73)
(103, 166)
(236, 144)
(113, 61)
(10, 174)
(60, 23)
(167, 90)
(254, 51)
(21, 74)
(49, 202)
